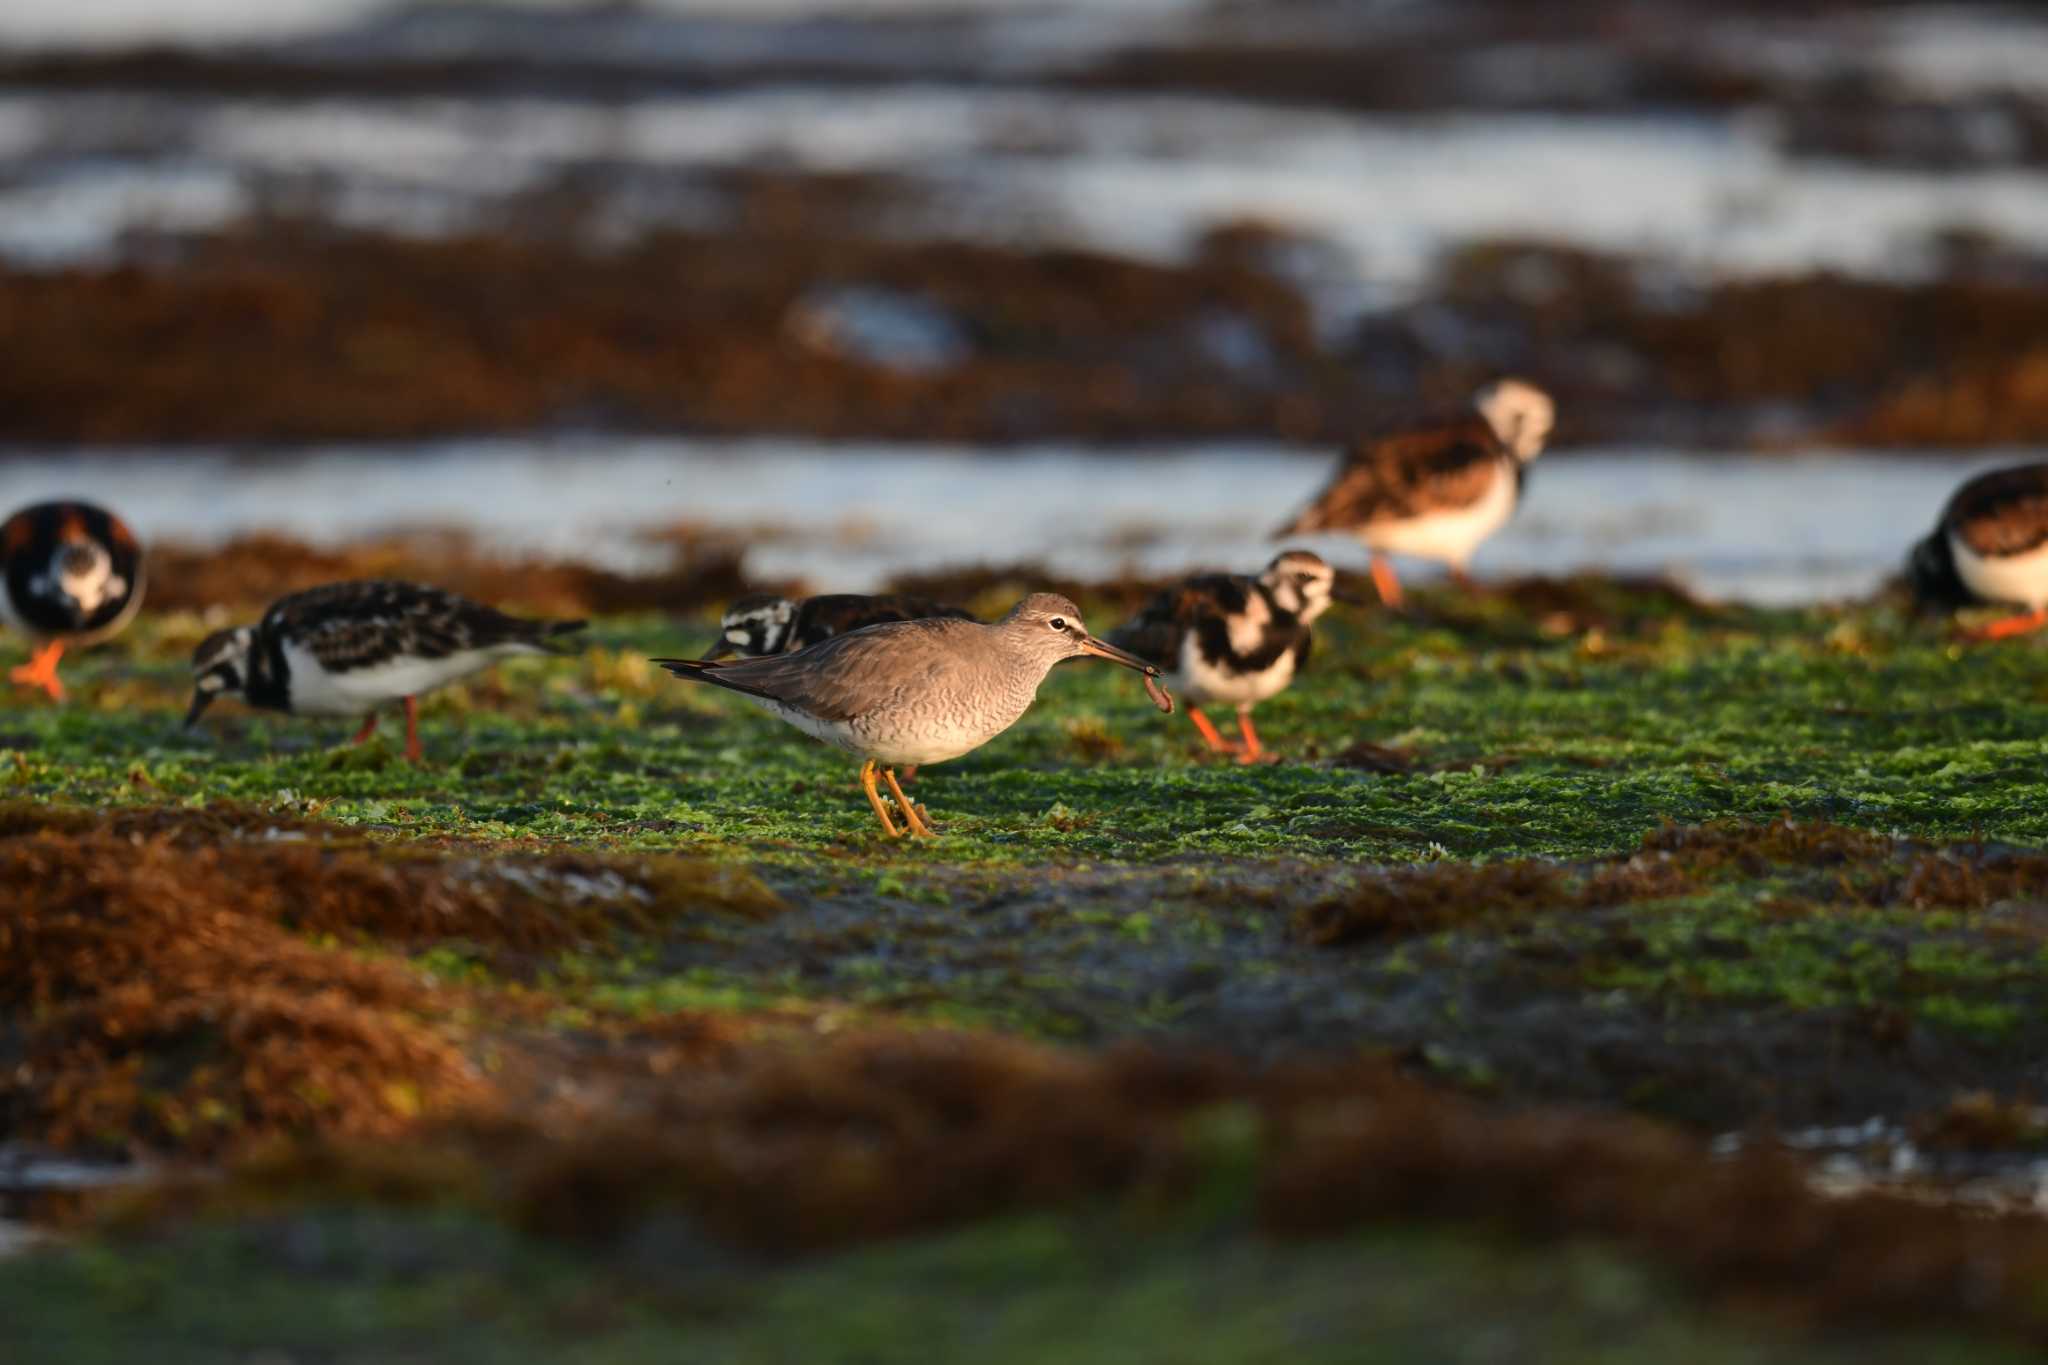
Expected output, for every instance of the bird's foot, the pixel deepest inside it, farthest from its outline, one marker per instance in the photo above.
(913, 814)
(2006, 628)
(41, 671)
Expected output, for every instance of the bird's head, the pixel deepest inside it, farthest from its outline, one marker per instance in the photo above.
(1048, 627)
(81, 578)
(1520, 414)
(754, 626)
(1303, 583)
(219, 666)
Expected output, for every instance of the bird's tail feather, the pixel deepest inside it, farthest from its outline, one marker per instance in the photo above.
(548, 634)
(710, 671)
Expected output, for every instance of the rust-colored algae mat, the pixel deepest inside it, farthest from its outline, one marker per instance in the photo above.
(207, 983)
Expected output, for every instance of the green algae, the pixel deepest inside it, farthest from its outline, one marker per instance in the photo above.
(1101, 877)
(360, 1286)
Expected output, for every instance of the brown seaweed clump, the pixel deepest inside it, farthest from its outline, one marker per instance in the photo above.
(285, 331)
(156, 999)
(703, 571)
(163, 991)
(1752, 1230)
(784, 1148)
(1404, 902)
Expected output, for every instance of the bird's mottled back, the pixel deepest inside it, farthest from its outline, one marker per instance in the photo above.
(2003, 512)
(364, 623)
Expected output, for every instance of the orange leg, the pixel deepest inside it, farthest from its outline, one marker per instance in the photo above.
(1383, 579)
(369, 728)
(41, 669)
(1252, 751)
(412, 731)
(2010, 626)
(1216, 742)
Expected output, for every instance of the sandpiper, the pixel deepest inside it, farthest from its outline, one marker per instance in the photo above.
(1435, 491)
(347, 648)
(914, 692)
(72, 577)
(1234, 638)
(1991, 545)
(766, 624)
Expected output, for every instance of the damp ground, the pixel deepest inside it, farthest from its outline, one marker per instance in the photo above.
(1565, 902)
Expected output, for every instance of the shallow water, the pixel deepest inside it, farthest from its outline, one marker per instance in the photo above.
(1137, 175)
(1776, 530)
(1880, 1155)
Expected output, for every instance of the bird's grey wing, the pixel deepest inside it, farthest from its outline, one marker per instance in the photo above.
(1406, 475)
(842, 677)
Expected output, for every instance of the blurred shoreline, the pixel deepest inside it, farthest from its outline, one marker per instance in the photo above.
(1741, 227)
(672, 521)
(807, 313)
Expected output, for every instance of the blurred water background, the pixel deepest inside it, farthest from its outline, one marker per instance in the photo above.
(1786, 267)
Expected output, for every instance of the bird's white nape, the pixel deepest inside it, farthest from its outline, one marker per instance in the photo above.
(1520, 414)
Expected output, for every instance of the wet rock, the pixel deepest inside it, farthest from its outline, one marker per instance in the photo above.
(881, 327)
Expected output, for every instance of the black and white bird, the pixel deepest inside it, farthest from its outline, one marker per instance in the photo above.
(766, 624)
(1434, 491)
(73, 575)
(1233, 639)
(348, 648)
(1991, 545)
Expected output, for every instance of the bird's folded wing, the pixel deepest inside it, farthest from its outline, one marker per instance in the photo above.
(845, 676)
(2002, 513)
(359, 625)
(1405, 476)
(1155, 634)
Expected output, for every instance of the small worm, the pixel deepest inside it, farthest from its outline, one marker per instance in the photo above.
(1160, 696)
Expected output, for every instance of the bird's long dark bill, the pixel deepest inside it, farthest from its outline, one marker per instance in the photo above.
(721, 650)
(1349, 596)
(200, 701)
(1117, 656)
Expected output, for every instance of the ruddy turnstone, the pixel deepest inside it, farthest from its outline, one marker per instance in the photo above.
(347, 648)
(918, 691)
(766, 624)
(1991, 545)
(1434, 491)
(1233, 639)
(73, 576)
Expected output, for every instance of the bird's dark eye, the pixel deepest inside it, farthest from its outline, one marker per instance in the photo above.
(1058, 623)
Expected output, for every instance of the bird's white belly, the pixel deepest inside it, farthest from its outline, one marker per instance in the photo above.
(1201, 682)
(918, 742)
(2021, 578)
(316, 692)
(1448, 537)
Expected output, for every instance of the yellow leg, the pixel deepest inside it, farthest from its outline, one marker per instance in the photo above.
(867, 784)
(41, 670)
(911, 815)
